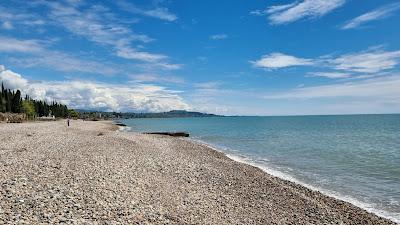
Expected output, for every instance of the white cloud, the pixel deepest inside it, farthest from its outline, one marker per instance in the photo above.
(99, 25)
(7, 25)
(11, 18)
(331, 75)
(257, 12)
(383, 88)
(167, 66)
(157, 78)
(12, 80)
(376, 14)
(39, 55)
(95, 23)
(130, 53)
(373, 60)
(283, 14)
(63, 62)
(14, 45)
(279, 8)
(208, 85)
(35, 22)
(279, 60)
(96, 95)
(158, 12)
(367, 62)
(212, 98)
(218, 37)
(161, 13)
(271, 9)
(155, 67)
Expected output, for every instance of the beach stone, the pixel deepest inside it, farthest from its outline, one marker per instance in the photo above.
(76, 176)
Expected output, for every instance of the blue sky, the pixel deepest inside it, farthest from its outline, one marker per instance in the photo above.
(227, 57)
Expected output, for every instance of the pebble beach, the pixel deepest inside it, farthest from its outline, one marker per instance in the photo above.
(91, 173)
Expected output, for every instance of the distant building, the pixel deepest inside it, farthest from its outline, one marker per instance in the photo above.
(46, 118)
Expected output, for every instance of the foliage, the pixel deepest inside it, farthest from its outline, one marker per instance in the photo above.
(73, 114)
(28, 107)
(89, 115)
(11, 101)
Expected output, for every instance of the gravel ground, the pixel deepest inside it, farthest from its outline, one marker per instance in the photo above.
(91, 174)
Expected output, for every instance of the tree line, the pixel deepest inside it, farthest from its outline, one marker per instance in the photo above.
(12, 101)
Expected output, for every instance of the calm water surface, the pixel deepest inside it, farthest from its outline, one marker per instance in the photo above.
(355, 158)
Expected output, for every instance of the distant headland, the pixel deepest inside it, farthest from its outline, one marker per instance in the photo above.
(91, 114)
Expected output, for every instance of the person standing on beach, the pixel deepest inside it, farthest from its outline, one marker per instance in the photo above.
(68, 121)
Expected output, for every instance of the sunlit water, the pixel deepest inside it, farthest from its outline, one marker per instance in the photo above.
(355, 158)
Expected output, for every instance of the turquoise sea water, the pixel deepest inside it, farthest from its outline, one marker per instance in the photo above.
(355, 158)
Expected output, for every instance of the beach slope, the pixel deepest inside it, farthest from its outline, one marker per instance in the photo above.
(90, 173)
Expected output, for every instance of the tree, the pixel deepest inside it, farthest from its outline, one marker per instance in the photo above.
(7, 100)
(11, 101)
(2, 104)
(28, 107)
(1, 98)
(16, 102)
(73, 114)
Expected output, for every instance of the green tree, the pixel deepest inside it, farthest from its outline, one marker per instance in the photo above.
(2, 104)
(16, 102)
(11, 101)
(28, 107)
(73, 114)
(7, 100)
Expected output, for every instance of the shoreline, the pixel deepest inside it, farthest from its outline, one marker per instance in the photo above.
(287, 177)
(284, 176)
(97, 174)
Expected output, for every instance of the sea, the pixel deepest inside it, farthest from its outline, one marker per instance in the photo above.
(355, 158)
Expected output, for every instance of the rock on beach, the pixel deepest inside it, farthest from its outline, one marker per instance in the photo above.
(54, 174)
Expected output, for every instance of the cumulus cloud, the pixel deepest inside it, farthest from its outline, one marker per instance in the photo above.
(279, 60)
(283, 14)
(376, 14)
(12, 80)
(97, 95)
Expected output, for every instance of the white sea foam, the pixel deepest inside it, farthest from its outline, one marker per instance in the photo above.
(124, 129)
(262, 164)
